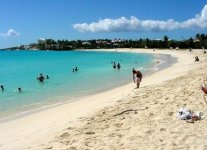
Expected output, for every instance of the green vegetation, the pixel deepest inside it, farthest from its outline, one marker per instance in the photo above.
(198, 42)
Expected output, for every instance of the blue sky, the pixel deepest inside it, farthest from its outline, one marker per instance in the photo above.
(25, 21)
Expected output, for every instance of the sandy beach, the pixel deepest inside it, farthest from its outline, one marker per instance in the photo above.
(124, 117)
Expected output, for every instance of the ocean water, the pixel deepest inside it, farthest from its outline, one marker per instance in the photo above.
(21, 68)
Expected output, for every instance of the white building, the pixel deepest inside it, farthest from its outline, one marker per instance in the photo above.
(41, 41)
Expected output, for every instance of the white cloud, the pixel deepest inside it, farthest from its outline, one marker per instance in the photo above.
(135, 25)
(10, 33)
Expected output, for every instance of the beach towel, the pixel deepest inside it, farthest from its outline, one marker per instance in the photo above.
(184, 114)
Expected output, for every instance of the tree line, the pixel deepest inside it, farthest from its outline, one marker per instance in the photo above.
(197, 42)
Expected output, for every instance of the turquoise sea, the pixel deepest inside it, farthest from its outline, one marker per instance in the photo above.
(21, 68)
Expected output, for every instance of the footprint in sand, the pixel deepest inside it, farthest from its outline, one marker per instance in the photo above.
(170, 113)
(162, 129)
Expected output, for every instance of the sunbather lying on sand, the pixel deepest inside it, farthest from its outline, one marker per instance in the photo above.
(190, 116)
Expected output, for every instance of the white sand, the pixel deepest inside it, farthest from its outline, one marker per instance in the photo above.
(90, 123)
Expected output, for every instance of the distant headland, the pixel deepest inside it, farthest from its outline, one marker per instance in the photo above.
(198, 42)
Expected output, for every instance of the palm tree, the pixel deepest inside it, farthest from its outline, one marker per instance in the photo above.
(165, 38)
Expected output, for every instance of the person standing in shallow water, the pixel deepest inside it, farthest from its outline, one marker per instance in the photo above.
(19, 90)
(114, 65)
(138, 75)
(2, 87)
(76, 68)
(47, 77)
(41, 78)
(118, 66)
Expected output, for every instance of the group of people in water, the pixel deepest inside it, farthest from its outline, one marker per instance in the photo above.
(2, 88)
(118, 66)
(137, 76)
(75, 69)
(41, 78)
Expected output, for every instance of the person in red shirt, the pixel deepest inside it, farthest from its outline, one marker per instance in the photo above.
(138, 75)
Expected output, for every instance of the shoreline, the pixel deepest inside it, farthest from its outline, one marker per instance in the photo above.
(43, 124)
(162, 64)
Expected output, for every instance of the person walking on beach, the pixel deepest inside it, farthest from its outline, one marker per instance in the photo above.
(138, 75)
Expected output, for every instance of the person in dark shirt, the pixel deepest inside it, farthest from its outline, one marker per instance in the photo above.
(114, 65)
(41, 78)
(118, 66)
